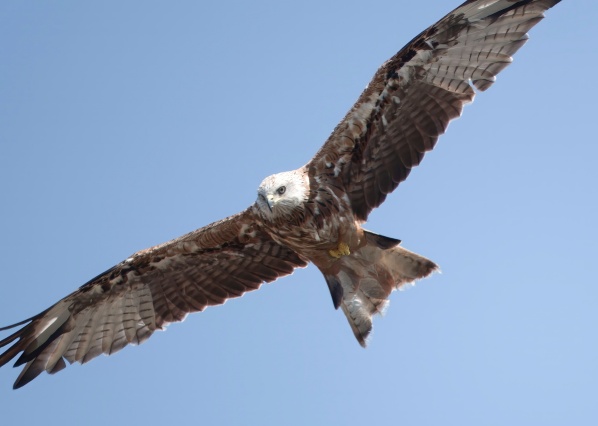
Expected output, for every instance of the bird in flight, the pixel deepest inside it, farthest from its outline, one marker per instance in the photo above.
(312, 214)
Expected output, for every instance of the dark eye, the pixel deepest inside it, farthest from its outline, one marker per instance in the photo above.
(281, 190)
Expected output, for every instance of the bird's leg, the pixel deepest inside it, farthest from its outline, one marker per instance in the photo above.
(341, 250)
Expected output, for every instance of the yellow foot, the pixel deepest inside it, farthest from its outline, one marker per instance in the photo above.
(341, 250)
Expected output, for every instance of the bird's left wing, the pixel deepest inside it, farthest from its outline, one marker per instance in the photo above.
(152, 288)
(416, 93)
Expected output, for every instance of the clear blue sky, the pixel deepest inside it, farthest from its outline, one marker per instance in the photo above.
(125, 124)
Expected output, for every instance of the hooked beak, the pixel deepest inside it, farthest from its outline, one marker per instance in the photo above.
(270, 202)
(267, 201)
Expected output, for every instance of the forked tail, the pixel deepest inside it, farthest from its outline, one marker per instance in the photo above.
(368, 276)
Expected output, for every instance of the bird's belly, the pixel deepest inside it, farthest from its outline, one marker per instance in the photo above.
(316, 241)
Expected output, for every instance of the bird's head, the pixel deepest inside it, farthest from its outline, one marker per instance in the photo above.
(283, 194)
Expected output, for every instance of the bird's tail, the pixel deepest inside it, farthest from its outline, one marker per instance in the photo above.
(368, 276)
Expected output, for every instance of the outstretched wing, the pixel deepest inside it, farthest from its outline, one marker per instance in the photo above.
(152, 288)
(416, 93)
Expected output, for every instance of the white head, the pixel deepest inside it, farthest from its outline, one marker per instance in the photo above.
(282, 194)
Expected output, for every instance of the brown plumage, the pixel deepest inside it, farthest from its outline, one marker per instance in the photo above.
(312, 214)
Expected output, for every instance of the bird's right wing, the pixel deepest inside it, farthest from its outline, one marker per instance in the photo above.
(145, 292)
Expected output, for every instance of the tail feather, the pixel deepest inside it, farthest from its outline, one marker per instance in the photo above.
(368, 276)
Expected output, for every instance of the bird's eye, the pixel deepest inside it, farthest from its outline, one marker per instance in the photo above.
(281, 190)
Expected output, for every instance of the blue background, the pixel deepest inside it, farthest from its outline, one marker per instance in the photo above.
(126, 124)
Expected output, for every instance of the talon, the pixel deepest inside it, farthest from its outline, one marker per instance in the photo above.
(341, 250)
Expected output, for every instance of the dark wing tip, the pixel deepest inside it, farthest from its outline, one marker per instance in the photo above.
(336, 290)
(12, 351)
(30, 372)
(33, 369)
(8, 327)
(380, 240)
